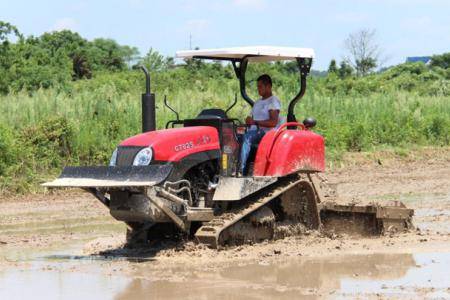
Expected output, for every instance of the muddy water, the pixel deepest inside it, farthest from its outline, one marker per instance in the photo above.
(303, 278)
(86, 277)
(43, 257)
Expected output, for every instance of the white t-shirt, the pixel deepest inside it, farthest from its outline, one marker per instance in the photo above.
(260, 110)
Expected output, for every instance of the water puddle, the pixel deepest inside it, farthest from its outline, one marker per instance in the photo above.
(97, 257)
(46, 283)
(431, 278)
(95, 277)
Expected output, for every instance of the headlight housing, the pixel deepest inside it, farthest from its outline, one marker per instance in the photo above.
(143, 157)
(113, 160)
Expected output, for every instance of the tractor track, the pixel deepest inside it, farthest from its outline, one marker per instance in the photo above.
(212, 232)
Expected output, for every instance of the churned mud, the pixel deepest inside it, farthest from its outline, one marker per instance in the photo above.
(66, 245)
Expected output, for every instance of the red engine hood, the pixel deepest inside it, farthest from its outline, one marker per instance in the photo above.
(176, 143)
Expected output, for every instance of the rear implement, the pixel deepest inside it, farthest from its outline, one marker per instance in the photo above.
(366, 219)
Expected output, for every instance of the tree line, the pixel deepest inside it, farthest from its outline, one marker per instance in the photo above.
(57, 58)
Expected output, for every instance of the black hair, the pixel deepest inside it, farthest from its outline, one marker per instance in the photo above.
(265, 79)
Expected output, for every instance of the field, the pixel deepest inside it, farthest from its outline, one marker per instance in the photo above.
(44, 130)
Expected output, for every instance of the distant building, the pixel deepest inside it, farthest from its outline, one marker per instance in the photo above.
(424, 59)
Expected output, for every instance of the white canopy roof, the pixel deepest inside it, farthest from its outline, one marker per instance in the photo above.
(258, 53)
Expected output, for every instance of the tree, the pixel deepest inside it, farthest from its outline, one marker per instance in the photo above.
(170, 62)
(74, 47)
(442, 60)
(364, 52)
(56, 58)
(105, 54)
(290, 67)
(332, 67)
(345, 70)
(6, 29)
(130, 54)
(66, 40)
(80, 65)
(154, 61)
(7, 54)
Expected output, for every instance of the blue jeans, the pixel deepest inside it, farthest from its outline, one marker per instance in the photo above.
(251, 137)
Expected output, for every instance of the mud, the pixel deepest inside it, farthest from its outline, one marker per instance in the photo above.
(67, 246)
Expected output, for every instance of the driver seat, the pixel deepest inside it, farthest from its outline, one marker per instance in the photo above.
(213, 117)
(212, 113)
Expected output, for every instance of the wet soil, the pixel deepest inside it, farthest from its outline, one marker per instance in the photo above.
(66, 245)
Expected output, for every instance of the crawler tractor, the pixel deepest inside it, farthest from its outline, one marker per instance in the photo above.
(185, 178)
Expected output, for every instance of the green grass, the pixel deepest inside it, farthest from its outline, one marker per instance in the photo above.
(51, 128)
(102, 118)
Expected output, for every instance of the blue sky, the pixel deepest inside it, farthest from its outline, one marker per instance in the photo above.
(404, 27)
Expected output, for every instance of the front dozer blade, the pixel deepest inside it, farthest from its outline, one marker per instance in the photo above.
(111, 177)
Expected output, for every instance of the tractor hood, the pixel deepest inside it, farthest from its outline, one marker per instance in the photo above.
(176, 143)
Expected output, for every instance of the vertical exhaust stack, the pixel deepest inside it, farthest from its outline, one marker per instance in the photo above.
(148, 105)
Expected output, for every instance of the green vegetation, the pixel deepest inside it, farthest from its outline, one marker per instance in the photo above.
(65, 100)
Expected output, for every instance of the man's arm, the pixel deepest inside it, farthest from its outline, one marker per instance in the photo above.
(272, 122)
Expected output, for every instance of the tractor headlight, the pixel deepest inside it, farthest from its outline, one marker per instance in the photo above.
(113, 160)
(144, 157)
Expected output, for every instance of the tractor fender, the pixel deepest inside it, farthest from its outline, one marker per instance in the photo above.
(286, 151)
(180, 168)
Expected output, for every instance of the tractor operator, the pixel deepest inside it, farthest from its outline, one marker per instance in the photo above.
(264, 117)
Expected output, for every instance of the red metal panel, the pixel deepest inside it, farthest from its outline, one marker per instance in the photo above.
(176, 143)
(282, 152)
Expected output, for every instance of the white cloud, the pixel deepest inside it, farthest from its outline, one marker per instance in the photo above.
(65, 23)
(253, 4)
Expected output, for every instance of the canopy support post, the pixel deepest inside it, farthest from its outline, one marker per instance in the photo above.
(240, 74)
(304, 66)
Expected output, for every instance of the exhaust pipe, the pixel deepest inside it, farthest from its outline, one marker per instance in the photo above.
(148, 105)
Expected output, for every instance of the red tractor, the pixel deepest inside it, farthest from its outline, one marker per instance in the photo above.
(184, 178)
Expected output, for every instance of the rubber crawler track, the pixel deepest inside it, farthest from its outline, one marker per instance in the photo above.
(210, 233)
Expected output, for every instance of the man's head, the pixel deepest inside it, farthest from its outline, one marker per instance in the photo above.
(265, 86)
